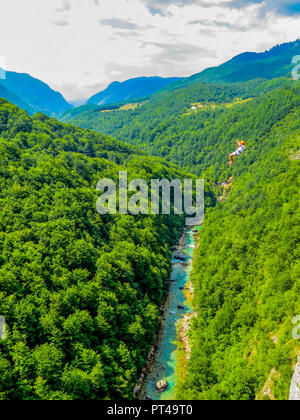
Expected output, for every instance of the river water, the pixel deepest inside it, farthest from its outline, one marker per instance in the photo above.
(167, 357)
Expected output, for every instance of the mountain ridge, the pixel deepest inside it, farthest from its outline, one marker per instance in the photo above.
(130, 89)
(272, 63)
(34, 94)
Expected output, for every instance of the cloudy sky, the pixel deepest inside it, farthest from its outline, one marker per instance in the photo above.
(79, 46)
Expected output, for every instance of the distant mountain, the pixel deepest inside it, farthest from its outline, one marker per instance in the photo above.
(77, 102)
(15, 99)
(131, 89)
(32, 94)
(277, 62)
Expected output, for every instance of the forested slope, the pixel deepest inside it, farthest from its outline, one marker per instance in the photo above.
(80, 293)
(246, 270)
(270, 64)
(199, 140)
(67, 275)
(149, 121)
(131, 89)
(32, 94)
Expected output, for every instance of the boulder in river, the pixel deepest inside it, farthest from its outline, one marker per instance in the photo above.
(179, 256)
(162, 385)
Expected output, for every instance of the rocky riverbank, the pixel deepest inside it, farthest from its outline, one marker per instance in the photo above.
(138, 390)
(168, 361)
(184, 335)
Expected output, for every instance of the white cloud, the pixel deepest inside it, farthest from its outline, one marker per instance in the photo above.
(62, 22)
(66, 5)
(80, 46)
(118, 23)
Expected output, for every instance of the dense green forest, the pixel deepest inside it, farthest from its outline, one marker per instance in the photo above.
(246, 275)
(80, 292)
(166, 126)
(246, 270)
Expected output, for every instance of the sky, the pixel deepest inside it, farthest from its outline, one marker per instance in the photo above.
(78, 47)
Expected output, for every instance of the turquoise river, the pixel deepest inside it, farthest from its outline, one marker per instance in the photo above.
(169, 346)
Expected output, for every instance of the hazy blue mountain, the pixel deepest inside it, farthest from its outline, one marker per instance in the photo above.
(277, 62)
(32, 94)
(77, 102)
(131, 89)
(15, 99)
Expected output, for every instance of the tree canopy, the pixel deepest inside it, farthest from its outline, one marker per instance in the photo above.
(80, 292)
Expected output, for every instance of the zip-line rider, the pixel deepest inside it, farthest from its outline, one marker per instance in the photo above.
(241, 148)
